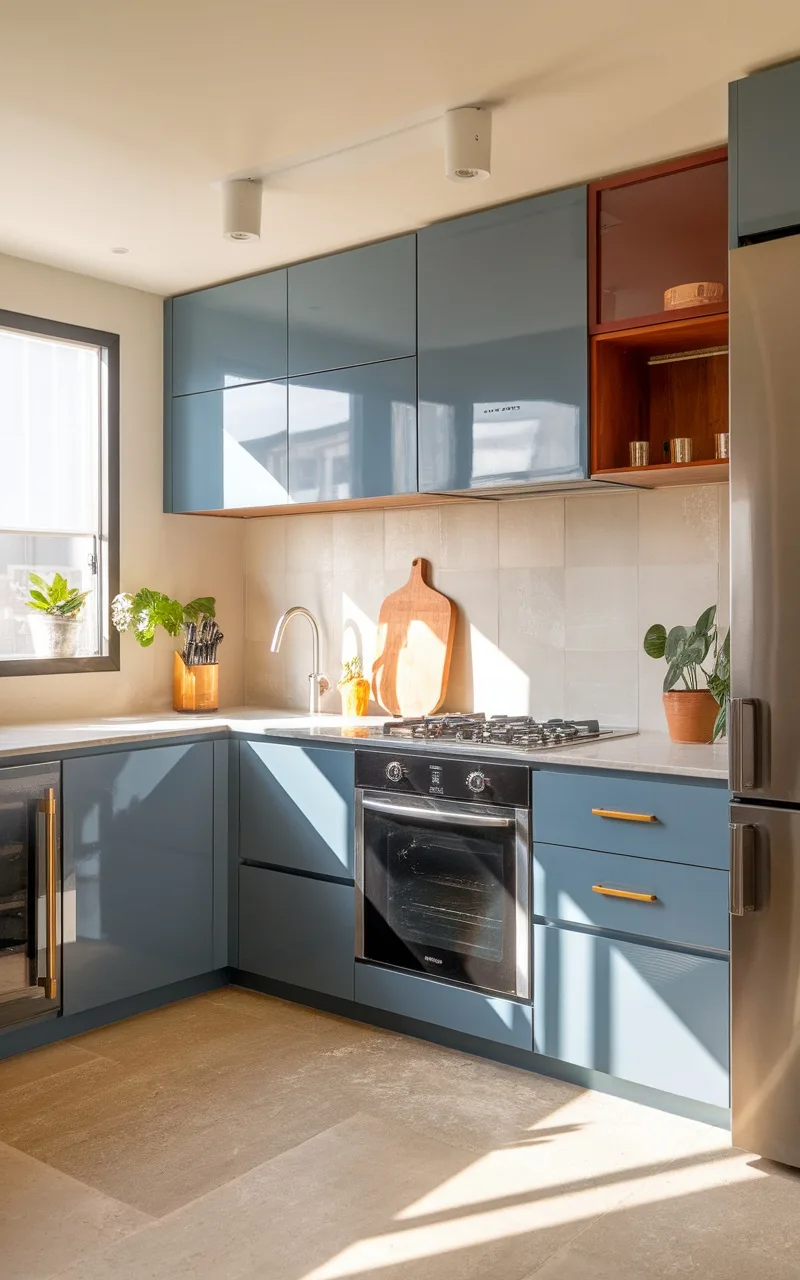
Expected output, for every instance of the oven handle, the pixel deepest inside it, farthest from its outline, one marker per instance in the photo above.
(469, 819)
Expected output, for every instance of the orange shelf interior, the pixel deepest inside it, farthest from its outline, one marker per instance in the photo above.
(638, 396)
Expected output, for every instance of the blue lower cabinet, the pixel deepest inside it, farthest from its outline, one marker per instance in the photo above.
(138, 872)
(457, 1008)
(296, 807)
(645, 1014)
(297, 930)
(682, 822)
(689, 906)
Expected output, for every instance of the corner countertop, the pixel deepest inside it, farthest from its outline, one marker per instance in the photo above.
(646, 752)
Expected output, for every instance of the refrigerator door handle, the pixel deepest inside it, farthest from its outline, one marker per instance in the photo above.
(743, 744)
(742, 874)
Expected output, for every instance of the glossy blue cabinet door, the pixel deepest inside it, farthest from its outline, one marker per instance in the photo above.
(652, 1016)
(138, 872)
(765, 152)
(296, 807)
(229, 448)
(353, 432)
(502, 345)
(297, 930)
(229, 334)
(353, 307)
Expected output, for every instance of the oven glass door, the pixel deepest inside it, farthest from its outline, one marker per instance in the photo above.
(444, 889)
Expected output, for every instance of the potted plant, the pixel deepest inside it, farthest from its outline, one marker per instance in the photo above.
(694, 714)
(55, 620)
(354, 688)
(195, 681)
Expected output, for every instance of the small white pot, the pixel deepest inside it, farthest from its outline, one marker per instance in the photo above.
(55, 637)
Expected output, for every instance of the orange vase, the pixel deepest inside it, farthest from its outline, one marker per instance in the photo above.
(355, 697)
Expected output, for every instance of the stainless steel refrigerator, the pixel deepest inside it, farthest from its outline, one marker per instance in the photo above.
(764, 733)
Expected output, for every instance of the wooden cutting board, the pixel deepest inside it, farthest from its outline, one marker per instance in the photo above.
(416, 626)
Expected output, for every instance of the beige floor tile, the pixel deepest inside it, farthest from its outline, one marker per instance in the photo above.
(169, 1115)
(365, 1198)
(48, 1220)
(39, 1064)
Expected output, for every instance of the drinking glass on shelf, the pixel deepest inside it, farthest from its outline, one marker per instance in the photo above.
(722, 444)
(639, 451)
(680, 449)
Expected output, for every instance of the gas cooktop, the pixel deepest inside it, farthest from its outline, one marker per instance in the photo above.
(500, 731)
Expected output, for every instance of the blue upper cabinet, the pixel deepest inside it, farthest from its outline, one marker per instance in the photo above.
(230, 334)
(764, 154)
(502, 346)
(228, 448)
(353, 432)
(353, 308)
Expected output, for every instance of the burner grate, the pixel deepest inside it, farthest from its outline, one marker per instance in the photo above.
(515, 731)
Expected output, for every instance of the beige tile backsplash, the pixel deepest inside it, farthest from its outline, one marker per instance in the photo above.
(554, 595)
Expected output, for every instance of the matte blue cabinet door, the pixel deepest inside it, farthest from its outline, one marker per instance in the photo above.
(765, 152)
(229, 334)
(353, 432)
(502, 345)
(138, 872)
(353, 307)
(297, 930)
(229, 448)
(296, 807)
(656, 1017)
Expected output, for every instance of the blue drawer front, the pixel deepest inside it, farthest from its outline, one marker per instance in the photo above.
(657, 1018)
(490, 1017)
(691, 905)
(691, 821)
(297, 930)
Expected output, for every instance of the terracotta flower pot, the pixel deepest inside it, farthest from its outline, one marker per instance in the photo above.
(355, 697)
(690, 714)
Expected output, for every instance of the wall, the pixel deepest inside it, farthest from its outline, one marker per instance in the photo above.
(182, 555)
(554, 594)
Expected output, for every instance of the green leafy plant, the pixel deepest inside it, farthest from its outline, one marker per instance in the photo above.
(352, 669)
(147, 610)
(685, 649)
(55, 598)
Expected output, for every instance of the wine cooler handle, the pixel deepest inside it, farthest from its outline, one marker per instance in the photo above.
(47, 807)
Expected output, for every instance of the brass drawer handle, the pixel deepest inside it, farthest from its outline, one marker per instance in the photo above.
(624, 893)
(624, 817)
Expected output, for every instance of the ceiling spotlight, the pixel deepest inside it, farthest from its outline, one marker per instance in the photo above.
(242, 209)
(120, 248)
(468, 144)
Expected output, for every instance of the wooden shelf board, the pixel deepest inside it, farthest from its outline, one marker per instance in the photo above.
(662, 475)
(669, 336)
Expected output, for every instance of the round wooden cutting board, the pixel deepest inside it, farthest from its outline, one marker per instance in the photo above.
(416, 626)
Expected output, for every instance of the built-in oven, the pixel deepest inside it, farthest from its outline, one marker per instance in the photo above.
(443, 858)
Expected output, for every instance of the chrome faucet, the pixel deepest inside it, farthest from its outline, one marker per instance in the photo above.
(317, 682)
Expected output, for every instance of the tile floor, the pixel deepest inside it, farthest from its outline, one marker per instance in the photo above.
(237, 1137)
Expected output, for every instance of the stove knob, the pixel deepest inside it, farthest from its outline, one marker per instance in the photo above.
(395, 771)
(477, 781)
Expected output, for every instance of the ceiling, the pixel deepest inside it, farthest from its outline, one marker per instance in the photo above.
(118, 121)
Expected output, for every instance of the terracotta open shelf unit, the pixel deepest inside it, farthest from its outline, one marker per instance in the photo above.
(657, 375)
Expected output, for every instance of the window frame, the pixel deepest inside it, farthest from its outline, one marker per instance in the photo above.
(109, 342)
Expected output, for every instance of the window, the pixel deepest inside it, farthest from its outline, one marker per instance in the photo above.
(59, 481)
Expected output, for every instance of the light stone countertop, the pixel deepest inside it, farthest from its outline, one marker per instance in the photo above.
(646, 752)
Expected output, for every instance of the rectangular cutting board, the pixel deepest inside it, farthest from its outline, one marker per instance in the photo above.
(416, 626)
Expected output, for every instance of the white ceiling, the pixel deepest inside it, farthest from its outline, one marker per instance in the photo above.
(118, 121)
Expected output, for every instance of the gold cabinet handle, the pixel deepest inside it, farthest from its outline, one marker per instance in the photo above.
(623, 893)
(624, 817)
(47, 806)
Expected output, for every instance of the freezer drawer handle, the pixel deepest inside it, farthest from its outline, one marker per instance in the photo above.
(624, 817)
(623, 893)
(742, 883)
(47, 806)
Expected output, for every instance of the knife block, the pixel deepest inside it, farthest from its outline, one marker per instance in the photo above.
(195, 688)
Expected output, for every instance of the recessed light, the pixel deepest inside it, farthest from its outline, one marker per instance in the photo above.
(120, 248)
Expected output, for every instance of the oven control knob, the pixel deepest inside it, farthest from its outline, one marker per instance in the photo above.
(477, 781)
(394, 771)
